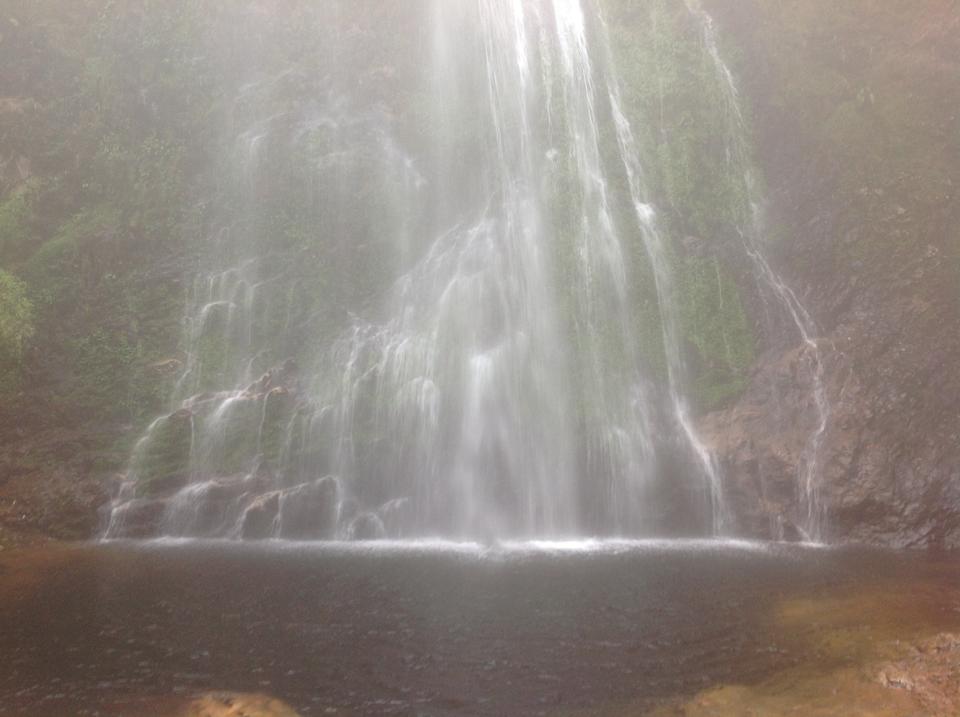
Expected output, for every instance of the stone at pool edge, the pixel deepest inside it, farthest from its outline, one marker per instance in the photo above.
(230, 704)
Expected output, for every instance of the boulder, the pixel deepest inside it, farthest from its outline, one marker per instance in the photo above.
(161, 461)
(309, 511)
(136, 519)
(259, 519)
(229, 704)
(366, 526)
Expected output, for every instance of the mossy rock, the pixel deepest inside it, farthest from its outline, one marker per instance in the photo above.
(161, 463)
(278, 412)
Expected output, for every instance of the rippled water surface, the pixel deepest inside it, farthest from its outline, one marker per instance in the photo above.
(435, 628)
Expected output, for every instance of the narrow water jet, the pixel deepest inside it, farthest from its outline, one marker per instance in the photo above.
(813, 518)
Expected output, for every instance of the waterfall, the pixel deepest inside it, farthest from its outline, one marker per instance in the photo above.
(434, 326)
(812, 513)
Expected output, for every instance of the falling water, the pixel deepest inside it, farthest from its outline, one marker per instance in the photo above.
(666, 292)
(496, 384)
(812, 513)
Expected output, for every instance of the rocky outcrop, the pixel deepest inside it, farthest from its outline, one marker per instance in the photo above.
(930, 673)
(855, 117)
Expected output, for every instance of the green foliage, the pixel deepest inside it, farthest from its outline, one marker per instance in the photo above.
(103, 362)
(117, 118)
(54, 270)
(16, 328)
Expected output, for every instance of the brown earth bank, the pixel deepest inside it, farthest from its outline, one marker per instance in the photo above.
(858, 133)
(38, 505)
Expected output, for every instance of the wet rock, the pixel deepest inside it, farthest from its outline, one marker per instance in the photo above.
(366, 526)
(259, 519)
(213, 508)
(396, 517)
(167, 367)
(240, 423)
(161, 462)
(283, 376)
(309, 511)
(230, 704)
(931, 674)
(136, 519)
(278, 409)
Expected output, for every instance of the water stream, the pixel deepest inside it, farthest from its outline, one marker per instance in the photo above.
(812, 514)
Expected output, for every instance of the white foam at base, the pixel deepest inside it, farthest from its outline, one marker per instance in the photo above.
(506, 548)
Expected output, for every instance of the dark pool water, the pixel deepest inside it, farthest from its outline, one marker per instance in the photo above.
(429, 630)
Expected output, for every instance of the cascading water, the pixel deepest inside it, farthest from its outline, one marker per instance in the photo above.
(666, 292)
(812, 513)
(496, 382)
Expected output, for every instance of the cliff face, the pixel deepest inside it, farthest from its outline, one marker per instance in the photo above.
(858, 134)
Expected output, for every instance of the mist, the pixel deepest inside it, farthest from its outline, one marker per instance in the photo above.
(435, 348)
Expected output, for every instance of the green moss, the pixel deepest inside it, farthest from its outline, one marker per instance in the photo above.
(716, 332)
(16, 328)
(161, 461)
(102, 364)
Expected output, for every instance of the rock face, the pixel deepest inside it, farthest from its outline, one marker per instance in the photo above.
(855, 116)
